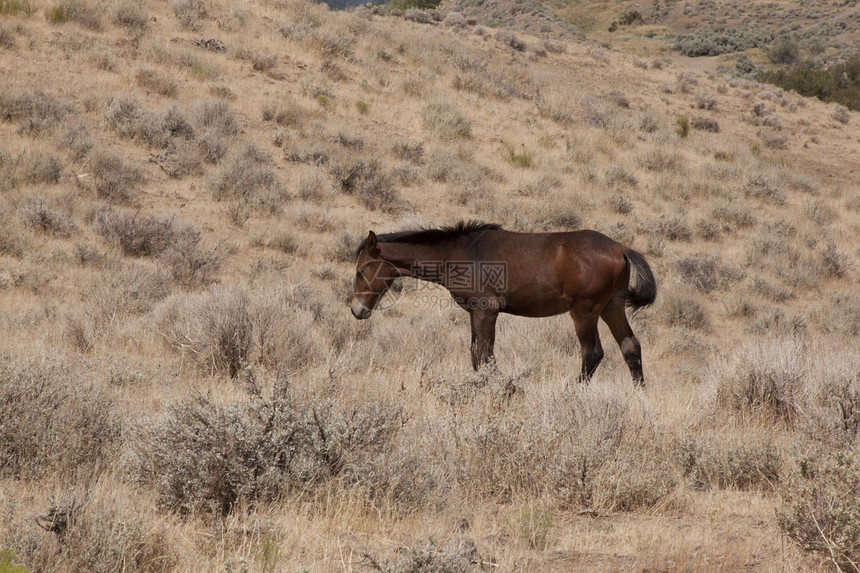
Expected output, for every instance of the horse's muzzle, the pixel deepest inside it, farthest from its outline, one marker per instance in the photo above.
(360, 311)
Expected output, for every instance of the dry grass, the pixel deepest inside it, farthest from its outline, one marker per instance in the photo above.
(184, 387)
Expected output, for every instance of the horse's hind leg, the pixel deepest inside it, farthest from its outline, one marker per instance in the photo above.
(616, 318)
(589, 342)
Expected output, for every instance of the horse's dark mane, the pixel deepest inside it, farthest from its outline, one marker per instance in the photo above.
(433, 236)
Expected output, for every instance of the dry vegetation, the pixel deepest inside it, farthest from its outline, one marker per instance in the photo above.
(183, 388)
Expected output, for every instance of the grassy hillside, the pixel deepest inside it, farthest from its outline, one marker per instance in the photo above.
(182, 186)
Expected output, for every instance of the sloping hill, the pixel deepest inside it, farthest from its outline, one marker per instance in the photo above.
(182, 186)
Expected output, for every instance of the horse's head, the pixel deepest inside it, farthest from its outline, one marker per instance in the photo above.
(373, 276)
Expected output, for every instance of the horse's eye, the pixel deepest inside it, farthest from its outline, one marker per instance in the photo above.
(359, 273)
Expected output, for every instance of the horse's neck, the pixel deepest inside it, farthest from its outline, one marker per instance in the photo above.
(420, 261)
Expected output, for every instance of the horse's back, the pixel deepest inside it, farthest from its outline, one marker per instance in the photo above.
(546, 272)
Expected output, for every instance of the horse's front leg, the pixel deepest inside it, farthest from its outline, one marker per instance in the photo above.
(483, 323)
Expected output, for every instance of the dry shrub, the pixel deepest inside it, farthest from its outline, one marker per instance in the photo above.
(286, 112)
(763, 380)
(568, 448)
(820, 505)
(772, 138)
(188, 12)
(616, 176)
(706, 273)
(457, 556)
(476, 74)
(36, 112)
(143, 235)
(705, 124)
(671, 227)
(93, 532)
(343, 250)
(52, 419)
(7, 38)
(733, 216)
(41, 215)
(331, 44)
(224, 329)
(819, 212)
(729, 464)
(129, 119)
(661, 160)
(681, 308)
(126, 115)
(135, 288)
(28, 166)
(204, 456)
(132, 15)
(175, 243)
(839, 314)
(408, 151)
(446, 121)
(760, 186)
(620, 203)
(834, 263)
(557, 107)
(215, 328)
(216, 126)
(249, 178)
(368, 181)
(15, 240)
(113, 178)
(488, 384)
(841, 114)
(155, 80)
(552, 216)
(448, 166)
(77, 142)
(78, 11)
(706, 100)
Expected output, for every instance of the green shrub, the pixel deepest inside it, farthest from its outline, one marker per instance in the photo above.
(783, 51)
(404, 5)
(10, 7)
(523, 158)
(76, 11)
(57, 14)
(683, 129)
(708, 42)
(9, 563)
(626, 19)
(839, 83)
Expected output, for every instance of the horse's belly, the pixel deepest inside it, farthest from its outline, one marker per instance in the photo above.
(534, 308)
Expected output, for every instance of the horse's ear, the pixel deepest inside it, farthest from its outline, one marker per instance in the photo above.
(371, 243)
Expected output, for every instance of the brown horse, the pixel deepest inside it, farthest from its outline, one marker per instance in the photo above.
(489, 270)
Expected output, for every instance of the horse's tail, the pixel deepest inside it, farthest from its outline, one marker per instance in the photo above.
(642, 288)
